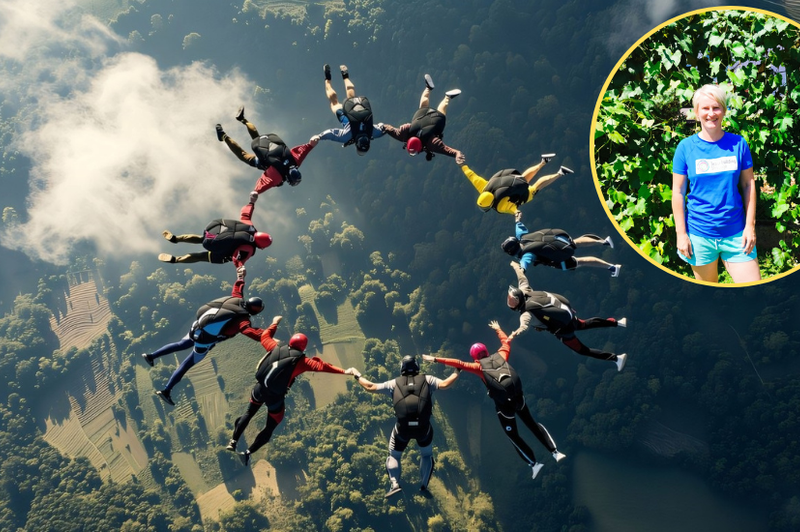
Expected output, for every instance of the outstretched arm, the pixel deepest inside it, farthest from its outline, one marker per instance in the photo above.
(477, 181)
(472, 367)
(522, 281)
(364, 383)
(446, 383)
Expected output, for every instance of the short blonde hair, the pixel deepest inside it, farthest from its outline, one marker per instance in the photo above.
(715, 92)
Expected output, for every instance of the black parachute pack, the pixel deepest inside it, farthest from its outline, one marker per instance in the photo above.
(412, 401)
(552, 310)
(427, 124)
(359, 113)
(275, 371)
(272, 152)
(214, 316)
(551, 246)
(502, 382)
(510, 184)
(224, 236)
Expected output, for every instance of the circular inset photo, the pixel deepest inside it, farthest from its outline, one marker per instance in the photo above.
(696, 146)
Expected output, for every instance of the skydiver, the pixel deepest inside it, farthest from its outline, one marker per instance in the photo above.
(505, 389)
(555, 248)
(226, 240)
(355, 115)
(412, 395)
(270, 154)
(508, 189)
(554, 314)
(426, 129)
(216, 321)
(275, 373)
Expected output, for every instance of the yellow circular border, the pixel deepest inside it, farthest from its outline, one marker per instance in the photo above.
(594, 162)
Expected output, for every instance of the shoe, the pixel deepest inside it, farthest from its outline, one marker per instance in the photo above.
(244, 457)
(147, 359)
(240, 115)
(452, 93)
(166, 257)
(169, 236)
(220, 132)
(164, 394)
(231, 446)
(343, 70)
(535, 468)
(615, 270)
(622, 322)
(327, 70)
(394, 489)
(564, 171)
(620, 362)
(547, 157)
(558, 456)
(608, 242)
(429, 81)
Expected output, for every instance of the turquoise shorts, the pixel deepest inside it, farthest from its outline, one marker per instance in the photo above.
(707, 250)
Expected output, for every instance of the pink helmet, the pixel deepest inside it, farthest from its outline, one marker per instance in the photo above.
(414, 146)
(299, 341)
(262, 240)
(478, 351)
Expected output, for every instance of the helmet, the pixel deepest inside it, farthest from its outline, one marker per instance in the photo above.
(485, 201)
(414, 146)
(262, 240)
(299, 341)
(294, 177)
(511, 246)
(362, 145)
(254, 305)
(478, 351)
(515, 297)
(409, 365)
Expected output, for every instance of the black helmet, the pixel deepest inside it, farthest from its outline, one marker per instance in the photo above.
(294, 177)
(409, 365)
(254, 305)
(362, 144)
(511, 246)
(516, 298)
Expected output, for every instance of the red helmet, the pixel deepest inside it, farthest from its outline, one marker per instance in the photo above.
(414, 146)
(478, 351)
(262, 240)
(299, 341)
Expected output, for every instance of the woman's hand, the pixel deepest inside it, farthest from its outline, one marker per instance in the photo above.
(685, 245)
(748, 239)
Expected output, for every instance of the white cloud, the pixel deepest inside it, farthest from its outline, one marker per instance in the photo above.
(120, 149)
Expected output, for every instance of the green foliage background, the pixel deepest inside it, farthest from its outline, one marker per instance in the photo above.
(639, 125)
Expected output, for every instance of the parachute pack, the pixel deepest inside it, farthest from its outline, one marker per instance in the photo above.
(359, 113)
(412, 401)
(213, 317)
(501, 380)
(275, 370)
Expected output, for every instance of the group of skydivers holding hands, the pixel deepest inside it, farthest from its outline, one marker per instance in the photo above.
(229, 240)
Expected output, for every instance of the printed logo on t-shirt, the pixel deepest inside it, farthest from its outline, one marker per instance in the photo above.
(715, 166)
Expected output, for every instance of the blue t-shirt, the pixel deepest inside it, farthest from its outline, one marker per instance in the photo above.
(714, 206)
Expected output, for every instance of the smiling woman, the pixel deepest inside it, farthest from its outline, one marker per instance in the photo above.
(717, 218)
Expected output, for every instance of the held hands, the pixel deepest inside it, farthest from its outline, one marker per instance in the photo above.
(314, 140)
(253, 196)
(352, 371)
(428, 358)
(241, 272)
(460, 159)
(381, 127)
(518, 215)
(276, 320)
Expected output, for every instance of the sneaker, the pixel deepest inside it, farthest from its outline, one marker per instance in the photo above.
(231, 446)
(564, 171)
(535, 468)
(244, 457)
(164, 395)
(547, 157)
(608, 242)
(169, 236)
(614, 269)
(166, 257)
(620, 362)
(327, 70)
(452, 93)
(147, 359)
(622, 322)
(220, 132)
(343, 70)
(240, 114)
(558, 456)
(429, 81)
(394, 489)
